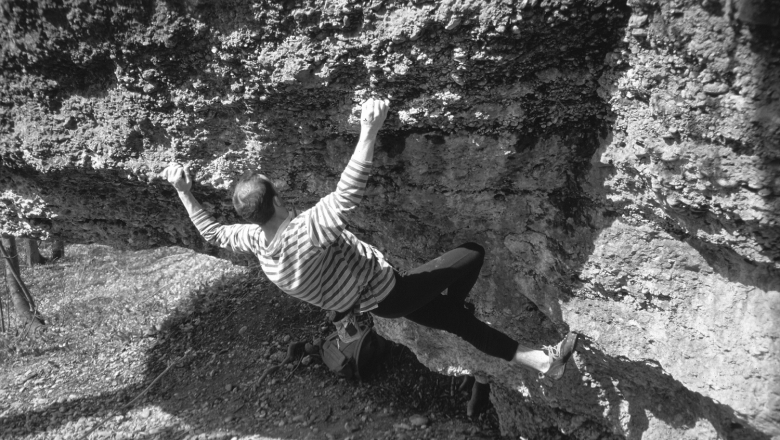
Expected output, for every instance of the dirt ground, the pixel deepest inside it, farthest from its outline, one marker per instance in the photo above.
(117, 320)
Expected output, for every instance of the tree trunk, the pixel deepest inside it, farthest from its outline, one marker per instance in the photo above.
(57, 250)
(20, 296)
(34, 257)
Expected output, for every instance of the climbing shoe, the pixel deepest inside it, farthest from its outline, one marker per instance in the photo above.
(559, 355)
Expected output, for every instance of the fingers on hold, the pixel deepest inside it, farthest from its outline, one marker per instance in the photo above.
(367, 110)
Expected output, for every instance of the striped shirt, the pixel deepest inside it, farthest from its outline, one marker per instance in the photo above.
(313, 257)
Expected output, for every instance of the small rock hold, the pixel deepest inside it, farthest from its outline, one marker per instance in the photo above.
(726, 183)
(458, 78)
(637, 20)
(715, 88)
(673, 201)
(525, 4)
(453, 23)
(398, 39)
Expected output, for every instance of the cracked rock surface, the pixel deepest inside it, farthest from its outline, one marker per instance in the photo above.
(619, 161)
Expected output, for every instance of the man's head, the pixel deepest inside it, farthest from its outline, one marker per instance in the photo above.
(254, 197)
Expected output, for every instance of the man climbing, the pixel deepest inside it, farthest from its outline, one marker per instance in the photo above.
(311, 256)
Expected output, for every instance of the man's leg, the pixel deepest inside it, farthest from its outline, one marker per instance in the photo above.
(457, 271)
(417, 296)
(445, 314)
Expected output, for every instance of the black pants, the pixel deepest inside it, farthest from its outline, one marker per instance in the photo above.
(417, 297)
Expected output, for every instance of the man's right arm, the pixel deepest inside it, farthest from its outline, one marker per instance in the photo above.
(190, 203)
(238, 238)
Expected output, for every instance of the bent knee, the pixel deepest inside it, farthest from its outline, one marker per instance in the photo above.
(474, 247)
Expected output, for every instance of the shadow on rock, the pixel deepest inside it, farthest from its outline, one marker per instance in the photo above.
(667, 400)
(604, 383)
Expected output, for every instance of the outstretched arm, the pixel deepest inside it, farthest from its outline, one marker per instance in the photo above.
(327, 218)
(179, 177)
(372, 117)
(238, 238)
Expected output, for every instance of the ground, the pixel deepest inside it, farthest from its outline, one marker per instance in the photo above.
(117, 319)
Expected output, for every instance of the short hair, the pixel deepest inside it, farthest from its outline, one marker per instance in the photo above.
(253, 198)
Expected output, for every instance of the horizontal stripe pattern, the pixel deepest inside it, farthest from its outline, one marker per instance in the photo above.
(315, 258)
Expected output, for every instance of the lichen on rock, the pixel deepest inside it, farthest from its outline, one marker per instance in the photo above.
(618, 161)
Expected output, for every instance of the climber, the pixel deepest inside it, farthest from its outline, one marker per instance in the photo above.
(312, 257)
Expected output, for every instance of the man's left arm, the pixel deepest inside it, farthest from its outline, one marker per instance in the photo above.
(327, 219)
(372, 116)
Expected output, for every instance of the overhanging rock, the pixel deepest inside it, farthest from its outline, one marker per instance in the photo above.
(618, 161)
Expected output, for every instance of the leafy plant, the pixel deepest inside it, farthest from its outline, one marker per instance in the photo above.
(22, 217)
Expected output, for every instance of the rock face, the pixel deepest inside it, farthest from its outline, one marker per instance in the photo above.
(618, 161)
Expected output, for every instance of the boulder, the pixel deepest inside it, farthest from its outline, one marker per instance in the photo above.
(617, 160)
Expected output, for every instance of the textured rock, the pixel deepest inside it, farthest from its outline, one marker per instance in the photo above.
(618, 161)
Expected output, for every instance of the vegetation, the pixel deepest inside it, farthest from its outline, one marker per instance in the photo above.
(117, 320)
(20, 217)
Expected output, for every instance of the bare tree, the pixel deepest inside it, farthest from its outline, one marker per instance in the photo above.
(33, 256)
(20, 216)
(20, 296)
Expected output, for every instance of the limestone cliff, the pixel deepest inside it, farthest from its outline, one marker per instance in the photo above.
(618, 161)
